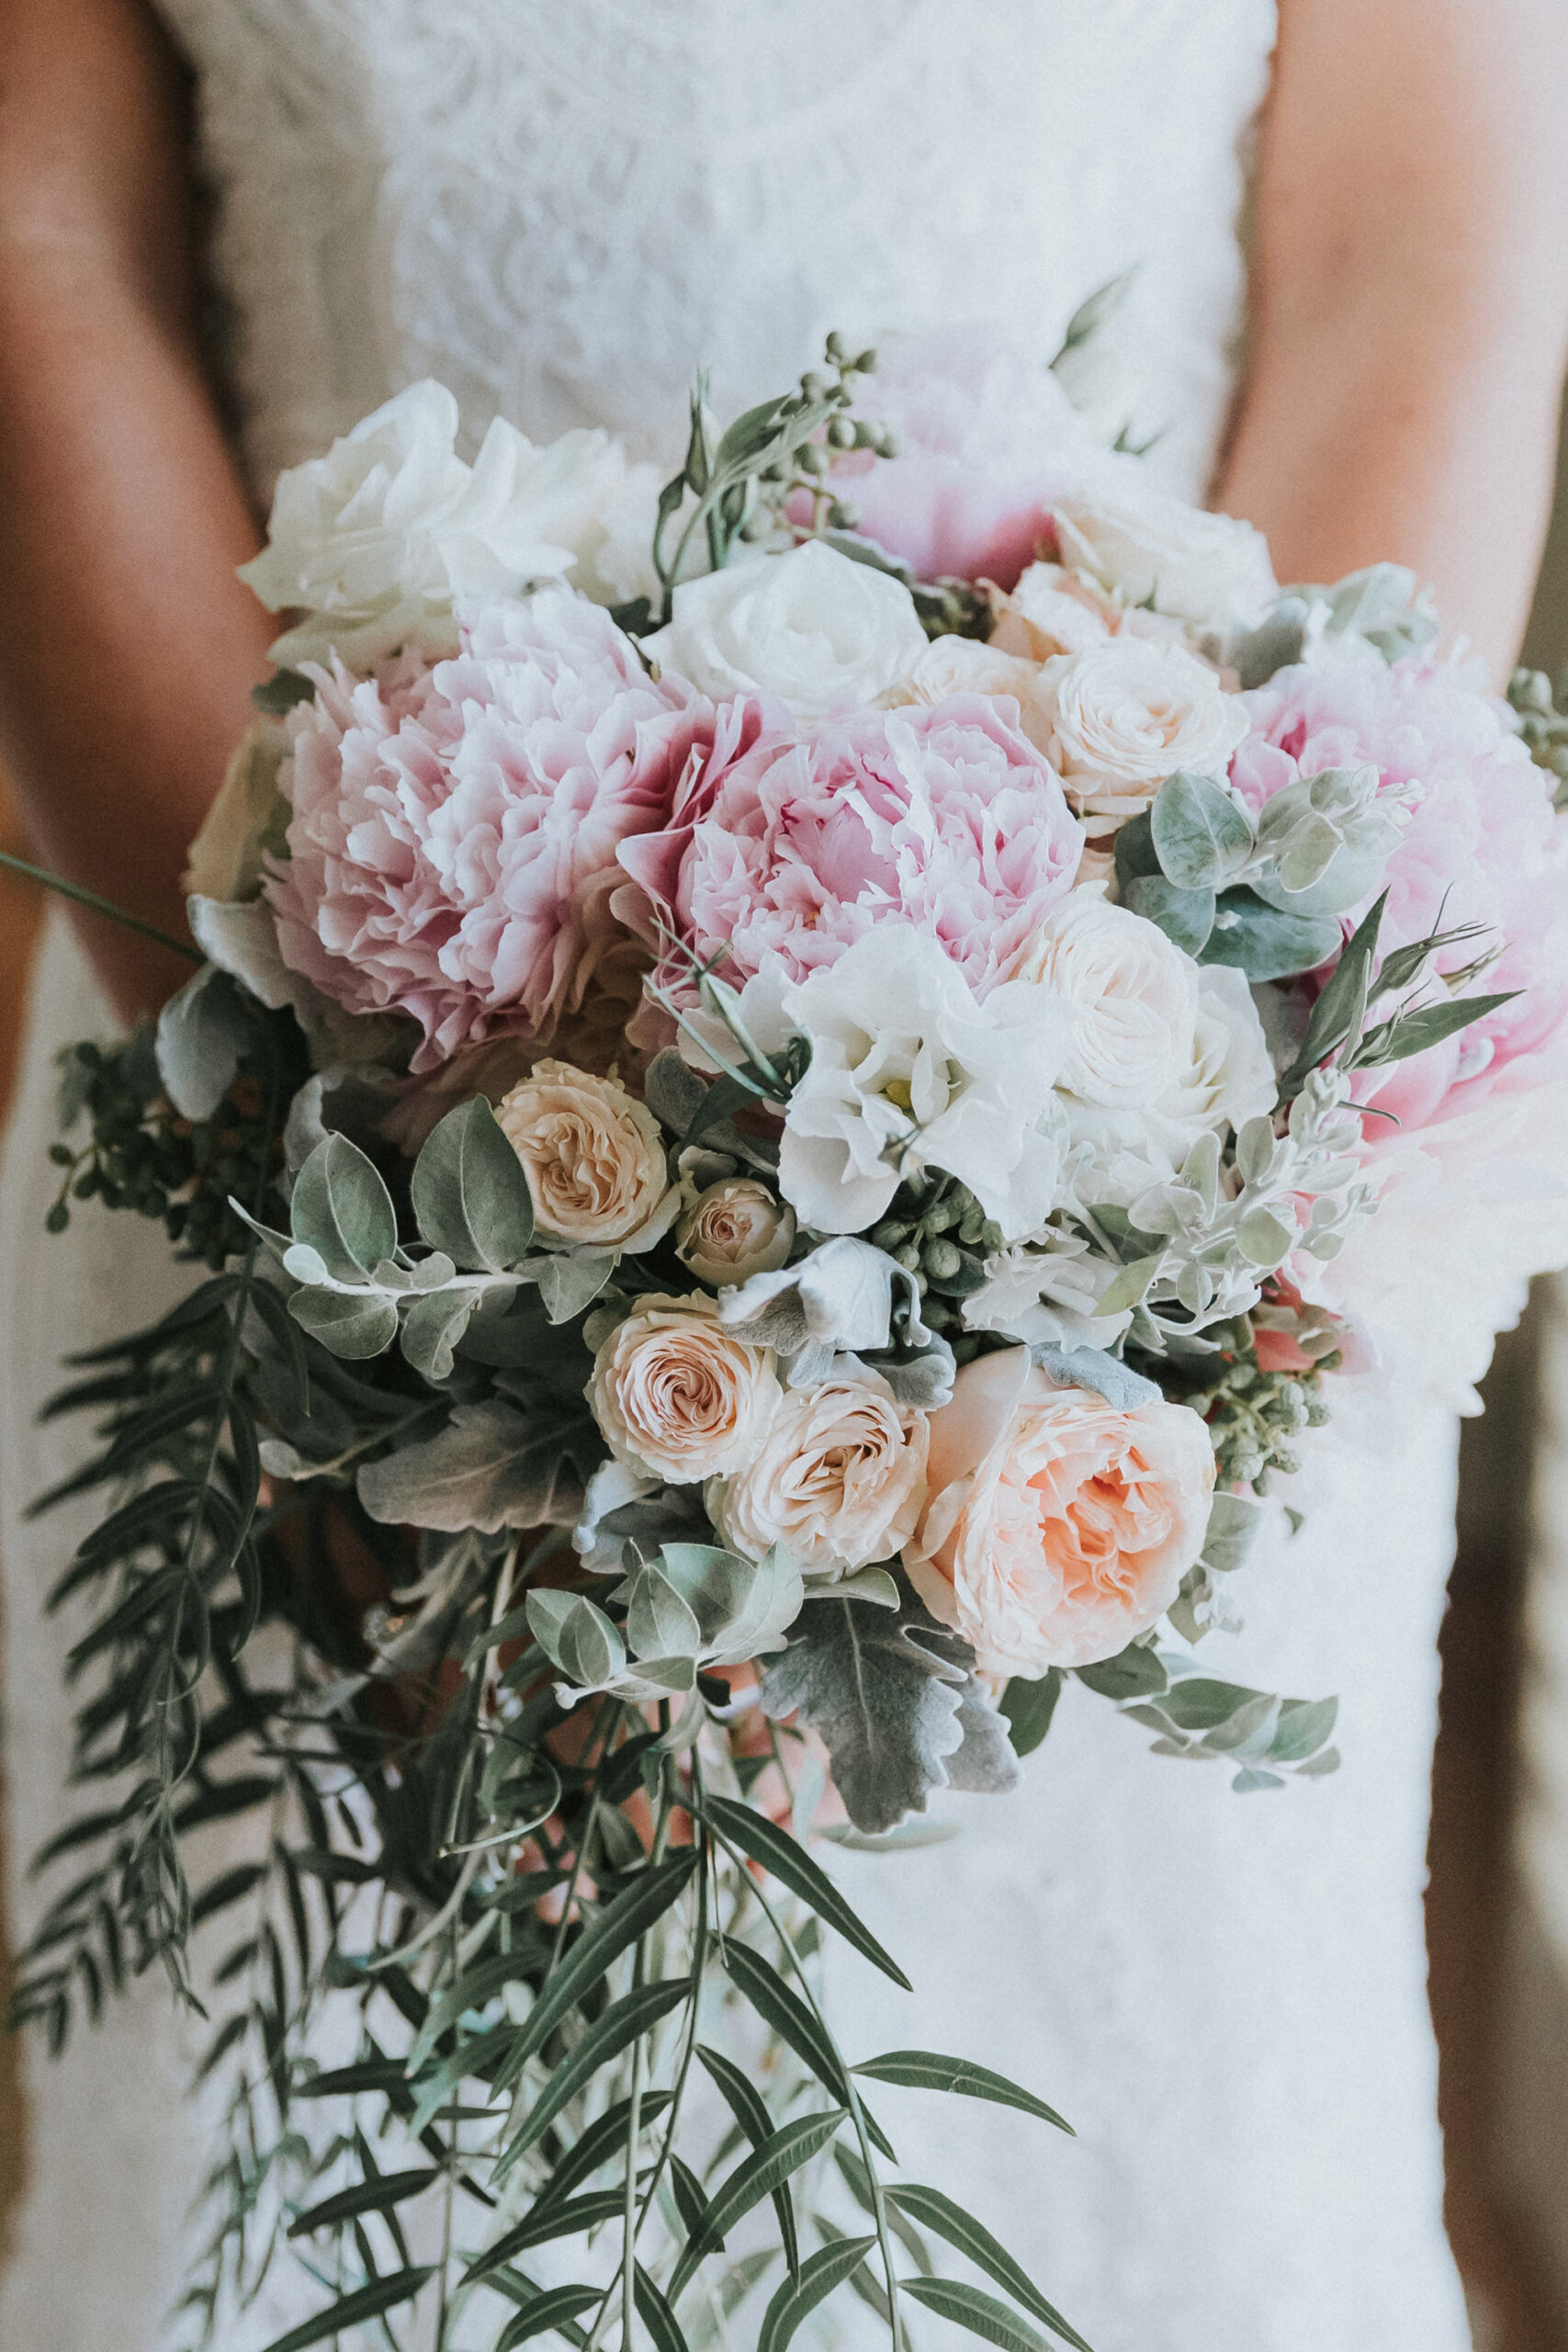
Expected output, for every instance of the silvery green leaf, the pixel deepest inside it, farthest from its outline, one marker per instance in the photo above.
(660, 1624)
(306, 1265)
(570, 1280)
(985, 1762)
(1266, 945)
(1281, 639)
(714, 1584)
(759, 1620)
(1234, 1523)
(280, 1460)
(1091, 1368)
(546, 1613)
(1349, 876)
(577, 1637)
(1130, 1285)
(490, 1467)
(1200, 1170)
(1263, 1238)
(874, 1585)
(348, 1099)
(433, 1274)
(1202, 837)
(351, 1324)
(1254, 1149)
(471, 1195)
(432, 1329)
(202, 1030)
(340, 1207)
(1186, 917)
(883, 1694)
(1387, 605)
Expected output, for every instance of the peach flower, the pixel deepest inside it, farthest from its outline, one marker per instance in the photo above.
(733, 1230)
(840, 1480)
(1059, 1526)
(594, 1156)
(680, 1397)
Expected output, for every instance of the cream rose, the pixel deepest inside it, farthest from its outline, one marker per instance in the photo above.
(594, 1156)
(1133, 996)
(961, 665)
(734, 1230)
(812, 627)
(1058, 1526)
(1125, 714)
(840, 1480)
(1211, 569)
(678, 1395)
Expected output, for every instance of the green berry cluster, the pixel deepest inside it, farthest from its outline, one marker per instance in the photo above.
(806, 466)
(936, 1231)
(1543, 725)
(1256, 1417)
(140, 1155)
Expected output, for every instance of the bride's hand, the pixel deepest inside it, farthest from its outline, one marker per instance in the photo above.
(128, 647)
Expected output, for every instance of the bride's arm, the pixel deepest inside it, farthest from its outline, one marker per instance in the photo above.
(128, 647)
(1411, 300)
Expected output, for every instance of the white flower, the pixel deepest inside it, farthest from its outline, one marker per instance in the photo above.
(961, 665)
(1125, 714)
(248, 818)
(812, 626)
(1207, 569)
(1133, 996)
(376, 539)
(1048, 1291)
(839, 1480)
(1053, 611)
(1224, 1078)
(908, 1070)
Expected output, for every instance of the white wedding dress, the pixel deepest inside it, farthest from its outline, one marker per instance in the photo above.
(561, 210)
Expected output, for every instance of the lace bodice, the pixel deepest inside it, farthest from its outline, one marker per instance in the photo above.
(562, 210)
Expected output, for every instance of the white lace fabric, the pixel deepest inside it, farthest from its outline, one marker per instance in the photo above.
(560, 209)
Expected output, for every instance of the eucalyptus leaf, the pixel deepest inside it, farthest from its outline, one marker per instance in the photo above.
(570, 1280)
(470, 1194)
(202, 1030)
(433, 1327)
(1258, 939)
(341, 1208)
(1202, 837)
(355, 1325)
(1186, 917)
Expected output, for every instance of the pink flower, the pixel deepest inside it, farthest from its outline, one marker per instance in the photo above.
(452, 848)
(1059, 1526)
(789, 850)
(1482, 846)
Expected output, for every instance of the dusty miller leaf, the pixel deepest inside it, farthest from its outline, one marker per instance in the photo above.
(490, 1467)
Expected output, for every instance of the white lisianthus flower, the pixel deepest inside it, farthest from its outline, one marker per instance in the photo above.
(1125, 714)
(812, 626)
(908, 1070)
(1048, 1291)
(376, 539)
(1211, 569)
(1133, 996)
(839, 1480)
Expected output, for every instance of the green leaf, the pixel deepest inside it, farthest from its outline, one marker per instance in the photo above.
(373, 2196)
(341, 1209)
(553, 2307)
(926, 2070)
(656, 2316)
(1413, 1033)
(1030, 1707)
(577, 1636)
(1134, 1673)
(368, 2303)
(659, 1623)
(620, 1925)
(1266, 945)
(1202, 838)
(353, 1325)
(981, 2313)
(945, 2220)
(470, 1196)
(1134, 852)
(756, 2177)
(624, 2023)
(492, 1466)
(777, 1852)
(796, 2299)
(432, 1329)
(1337, 1013)
(790, 2019)
(745, 2103)
(1186, 917)
(573, 2217)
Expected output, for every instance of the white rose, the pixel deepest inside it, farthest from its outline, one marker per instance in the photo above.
(1133, 993)
(594, 1156)
(908, 1070)
(1210, 570)
(1053, 611)
(677, 1396)
(733, 1230)
(812, 627)
(839, 1480)
(1226, 1079)
(249, 817)
(1125, 714)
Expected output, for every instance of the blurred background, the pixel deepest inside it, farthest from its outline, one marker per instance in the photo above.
(1498, 1904)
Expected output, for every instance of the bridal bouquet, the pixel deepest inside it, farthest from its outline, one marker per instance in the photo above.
(790, 1073)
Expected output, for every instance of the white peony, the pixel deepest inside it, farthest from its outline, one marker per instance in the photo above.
(908, 1070)
(1210, 570)
(376, 540)
(1134, 996)
(812, 627)
(1125, 714)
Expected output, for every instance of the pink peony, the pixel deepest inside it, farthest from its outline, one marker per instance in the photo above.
(1482, 846)
(788, 850)
(452, 847)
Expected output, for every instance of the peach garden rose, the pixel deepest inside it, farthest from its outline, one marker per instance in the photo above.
(1058, 1526)
(680, 1397)
(594, 1156)
(839, 1481)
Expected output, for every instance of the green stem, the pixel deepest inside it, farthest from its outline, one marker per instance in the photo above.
(90, 899)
